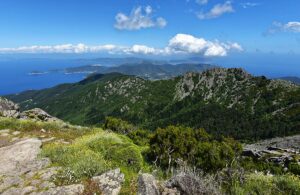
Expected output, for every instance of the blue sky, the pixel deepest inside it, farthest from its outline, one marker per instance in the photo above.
(209, 28)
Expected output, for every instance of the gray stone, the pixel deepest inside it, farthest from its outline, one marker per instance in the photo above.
(110, 182)
(21, 157)
(12, 191)
(38, 115)
(75, 189)
(147, 185)
(8, 108)
(16, 132)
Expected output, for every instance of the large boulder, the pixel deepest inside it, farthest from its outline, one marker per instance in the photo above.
(21, 157)
(187, 183)
(147, 185)
(38, 115)
(8, 108)
(110, 183)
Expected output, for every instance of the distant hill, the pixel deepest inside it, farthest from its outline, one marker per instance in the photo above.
(223, 101)
(295, 80)
(146, 70)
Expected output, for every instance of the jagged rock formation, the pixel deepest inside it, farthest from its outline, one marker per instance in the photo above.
(12, 110)
(8, 108)
(38, 115)
(147, 185)
(277, 150)
(110, 182)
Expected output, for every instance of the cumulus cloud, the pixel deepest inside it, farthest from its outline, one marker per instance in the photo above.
(179, 44)
(217, 11)
(188, 44)
(202, 2)
(139, 18)
(293, 27)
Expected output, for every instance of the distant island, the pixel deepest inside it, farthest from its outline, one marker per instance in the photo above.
(295, 80)
(38, 72)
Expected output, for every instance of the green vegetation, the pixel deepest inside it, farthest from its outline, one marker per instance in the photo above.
(238, 105)
(195, 147)
(92, 151)
(93, 154)
(54, 129)
(259, 183)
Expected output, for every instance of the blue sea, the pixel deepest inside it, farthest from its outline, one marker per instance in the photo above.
(15, 77)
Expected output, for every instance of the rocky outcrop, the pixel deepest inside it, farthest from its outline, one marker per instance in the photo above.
(278, 150)
(110, 182)
(38, 115)
(23, 172)
(147, 185)
(188, 183)
(8, 108)
(21, 157)
(219, 84)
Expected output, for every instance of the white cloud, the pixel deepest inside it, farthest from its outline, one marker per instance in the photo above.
(202, 2)
(249, 4)
(139, 18)
(188, 44)
(179, 44)
(293, 27)
(217, 11)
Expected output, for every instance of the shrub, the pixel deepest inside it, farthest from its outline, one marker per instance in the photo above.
(196, 147)
(92, 155)
(118, 125)
(259, 183)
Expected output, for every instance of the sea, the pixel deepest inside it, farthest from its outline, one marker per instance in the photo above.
(15, 74)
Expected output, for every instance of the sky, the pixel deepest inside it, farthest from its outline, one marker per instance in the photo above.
(203, 28)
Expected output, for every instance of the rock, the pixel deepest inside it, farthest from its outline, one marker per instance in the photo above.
(38, 115)
(9, 109)
(20, 157)
(251, 153)
(8, 181)
(75, 189)
(46, 185)
(147, 185)
(28, 189)
(48, 139)
(4, 132)
(188, 183)
(47, 174)
(43, 131)
(168, 191)
(13, 191)
(16, 132)
(110, 182)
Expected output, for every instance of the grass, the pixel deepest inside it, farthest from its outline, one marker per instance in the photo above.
(259, 183)
(59, 130)
(94, 154)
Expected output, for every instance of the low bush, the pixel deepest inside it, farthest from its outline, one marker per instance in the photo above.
(259, 183)
(93, 154)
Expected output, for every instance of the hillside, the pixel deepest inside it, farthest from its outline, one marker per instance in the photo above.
(223, 101)
(295, 80)
(144, 69)
(43, 155)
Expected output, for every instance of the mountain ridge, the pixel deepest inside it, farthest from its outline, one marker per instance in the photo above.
(227, 100)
